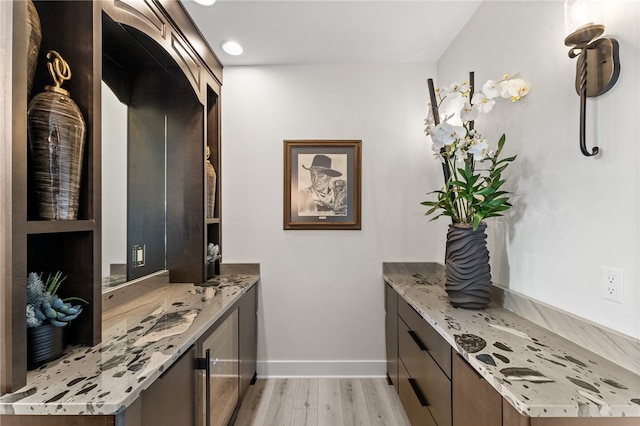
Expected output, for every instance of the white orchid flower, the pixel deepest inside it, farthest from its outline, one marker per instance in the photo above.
(482, 102)
(461, 153)
(429, 124)
(468, 112)
(447, 134)
(464, 88)
(454, 87)
(514, 89)
(491, 89)
(429, 130)
(479, 148)
(437, 154)
(517, 89)
(454, 90)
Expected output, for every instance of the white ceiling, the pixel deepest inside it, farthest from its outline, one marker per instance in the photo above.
(332, 31)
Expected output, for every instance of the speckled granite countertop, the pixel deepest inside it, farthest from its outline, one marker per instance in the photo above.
(540, 373)
(140, 339)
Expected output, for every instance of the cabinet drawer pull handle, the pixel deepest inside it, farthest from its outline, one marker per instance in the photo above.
(416, 339)
(421, 398)
(201, 364)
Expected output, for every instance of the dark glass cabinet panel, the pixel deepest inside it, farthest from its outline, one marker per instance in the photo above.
(220, 385)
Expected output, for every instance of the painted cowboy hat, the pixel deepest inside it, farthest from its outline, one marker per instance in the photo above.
(322, 163)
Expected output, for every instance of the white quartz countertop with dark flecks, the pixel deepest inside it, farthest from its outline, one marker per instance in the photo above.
(540, 373)
(140, 339)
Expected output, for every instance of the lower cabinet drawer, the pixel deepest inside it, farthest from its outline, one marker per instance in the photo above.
(417, 413)
(425, 376)
(437, 347)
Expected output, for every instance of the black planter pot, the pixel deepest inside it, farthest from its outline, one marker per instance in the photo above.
(44, 344)
(467, 270)
(213, 269)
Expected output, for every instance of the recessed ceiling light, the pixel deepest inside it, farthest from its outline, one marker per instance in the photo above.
(205, 2)
(232, 48)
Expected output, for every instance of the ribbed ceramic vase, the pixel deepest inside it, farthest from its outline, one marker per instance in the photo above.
(34, 37)
(44, 344)
(467, 270)
(56, 132)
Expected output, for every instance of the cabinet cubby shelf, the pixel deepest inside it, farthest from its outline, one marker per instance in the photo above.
(57, 226)
(212, 221)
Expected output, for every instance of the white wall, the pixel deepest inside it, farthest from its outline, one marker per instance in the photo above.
(321, 298)
(572, 214)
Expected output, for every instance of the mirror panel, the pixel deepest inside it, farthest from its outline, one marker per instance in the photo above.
(134, 152)
(114, 189)
(165, 128)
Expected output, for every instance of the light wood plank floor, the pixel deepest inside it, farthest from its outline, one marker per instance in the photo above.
(321, 402)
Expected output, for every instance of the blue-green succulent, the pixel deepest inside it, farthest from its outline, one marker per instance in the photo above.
(44, 305)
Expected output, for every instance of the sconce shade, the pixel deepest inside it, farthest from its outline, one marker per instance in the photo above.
(584, 35)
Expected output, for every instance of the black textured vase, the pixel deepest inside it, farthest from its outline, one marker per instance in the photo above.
(467, 270)
(44, 344)
(56, 131)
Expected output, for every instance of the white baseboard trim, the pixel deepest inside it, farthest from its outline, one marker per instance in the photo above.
(328, 369)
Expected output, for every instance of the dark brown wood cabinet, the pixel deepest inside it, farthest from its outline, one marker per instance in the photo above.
(248, 339)
(175, 85)
(426, 359)
(34, 245)
(171, 399)
(476, 402)
(413, 401)
(391, 335)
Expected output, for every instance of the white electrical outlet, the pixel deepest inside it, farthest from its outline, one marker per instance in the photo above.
(612, 284)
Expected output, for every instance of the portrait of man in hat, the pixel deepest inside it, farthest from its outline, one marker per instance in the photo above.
(322, 194)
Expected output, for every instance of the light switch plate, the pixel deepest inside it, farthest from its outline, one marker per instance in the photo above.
(137, 255)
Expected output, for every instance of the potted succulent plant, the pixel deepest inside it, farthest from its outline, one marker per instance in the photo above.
(47, 315)
(213, 260)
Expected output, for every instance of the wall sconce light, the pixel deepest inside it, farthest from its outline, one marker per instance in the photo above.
(598, 64)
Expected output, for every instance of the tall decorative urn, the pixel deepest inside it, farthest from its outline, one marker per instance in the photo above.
(56, 132)
(210, 185)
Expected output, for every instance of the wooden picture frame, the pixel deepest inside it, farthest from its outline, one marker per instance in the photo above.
(322, 184)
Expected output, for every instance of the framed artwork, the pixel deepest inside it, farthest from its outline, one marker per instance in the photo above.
(322, 184)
